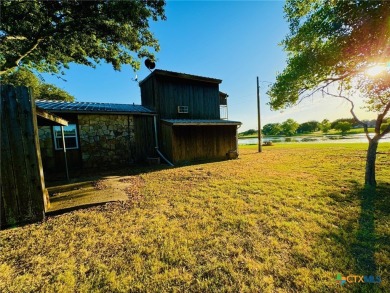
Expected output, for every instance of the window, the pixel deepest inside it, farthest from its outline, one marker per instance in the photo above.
(182, 109)
(70, 134)
(223, 112)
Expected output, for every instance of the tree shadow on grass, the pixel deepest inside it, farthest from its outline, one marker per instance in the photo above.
(80, 192)
(90, 174)
(363, 249)
(362, 239)
(58, 177)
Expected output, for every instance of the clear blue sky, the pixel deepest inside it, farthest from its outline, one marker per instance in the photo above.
(230, 40)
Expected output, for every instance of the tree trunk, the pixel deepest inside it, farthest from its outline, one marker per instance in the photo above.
(370, 162)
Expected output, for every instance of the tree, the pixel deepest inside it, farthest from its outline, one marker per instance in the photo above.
(248, 132)
(344, 127)
(41, 90)
(340, 49)
(384, 126)
(289, 127)
(349, 120)
(48, 35)
(325, 126)
(272, 129)
(310, 126)
(51, 92)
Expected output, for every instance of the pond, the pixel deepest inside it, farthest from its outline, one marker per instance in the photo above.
(353, 138)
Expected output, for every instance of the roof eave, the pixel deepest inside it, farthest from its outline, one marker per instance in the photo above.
(203, 123)
(181, 76)
(103, 112)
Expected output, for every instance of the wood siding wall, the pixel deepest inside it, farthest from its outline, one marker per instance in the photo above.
(192, 143)
(147, 94)
(144, 145)
(166, 135)
(22, 183)
(201, 98)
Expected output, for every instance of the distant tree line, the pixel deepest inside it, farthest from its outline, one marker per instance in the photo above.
(248, 132)
(291, 127)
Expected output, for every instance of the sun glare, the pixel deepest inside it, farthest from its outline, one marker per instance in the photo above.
(376, 70)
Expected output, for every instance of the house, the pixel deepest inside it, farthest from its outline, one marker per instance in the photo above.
(179, 119)
(98, 134)
(188, 109)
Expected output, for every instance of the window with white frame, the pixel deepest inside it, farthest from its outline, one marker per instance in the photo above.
(70, 135)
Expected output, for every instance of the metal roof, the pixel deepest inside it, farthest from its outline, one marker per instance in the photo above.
(180, 75)
(199, 122)
(91, 107)
(223, 94)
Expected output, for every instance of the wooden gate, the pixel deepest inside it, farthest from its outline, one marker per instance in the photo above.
(23, 198)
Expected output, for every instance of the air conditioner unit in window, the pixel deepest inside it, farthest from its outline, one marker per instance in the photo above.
(182, 109)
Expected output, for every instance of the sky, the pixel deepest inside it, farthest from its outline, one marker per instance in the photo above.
(234, 41)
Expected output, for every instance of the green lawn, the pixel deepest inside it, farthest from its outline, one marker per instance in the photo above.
(286, 220)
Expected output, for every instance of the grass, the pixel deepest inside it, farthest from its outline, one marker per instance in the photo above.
(286, 220)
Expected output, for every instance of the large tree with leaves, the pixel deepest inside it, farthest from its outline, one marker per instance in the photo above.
(332, 46)
(48, 35)
(289, 127)
(40, 89)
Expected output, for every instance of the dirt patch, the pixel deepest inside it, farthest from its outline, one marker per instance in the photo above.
(100, 185)
(84, 193)
(194, 175)
(133, 187)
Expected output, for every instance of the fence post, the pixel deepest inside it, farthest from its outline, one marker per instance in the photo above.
(22, 182)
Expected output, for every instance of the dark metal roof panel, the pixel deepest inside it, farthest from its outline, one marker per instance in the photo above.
(171, 74)
(223, 94)
(200, 122)
(91, 107)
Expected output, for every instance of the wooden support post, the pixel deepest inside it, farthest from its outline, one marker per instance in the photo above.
(65, 158)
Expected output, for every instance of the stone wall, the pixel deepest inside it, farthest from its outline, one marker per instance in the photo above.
(47, 147)
(106, 140)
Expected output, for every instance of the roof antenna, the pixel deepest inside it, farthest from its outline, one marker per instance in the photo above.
(150, 64)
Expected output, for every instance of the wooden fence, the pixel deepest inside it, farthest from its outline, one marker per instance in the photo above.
(21, 179)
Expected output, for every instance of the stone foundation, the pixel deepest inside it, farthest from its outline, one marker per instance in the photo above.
(106, 140)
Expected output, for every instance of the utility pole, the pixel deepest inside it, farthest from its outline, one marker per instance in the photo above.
(258, 117)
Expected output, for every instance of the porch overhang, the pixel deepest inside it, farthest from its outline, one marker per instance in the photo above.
(46, 118)
(200, 122)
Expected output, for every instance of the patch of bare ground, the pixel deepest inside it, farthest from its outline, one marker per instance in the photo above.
(88, 193)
